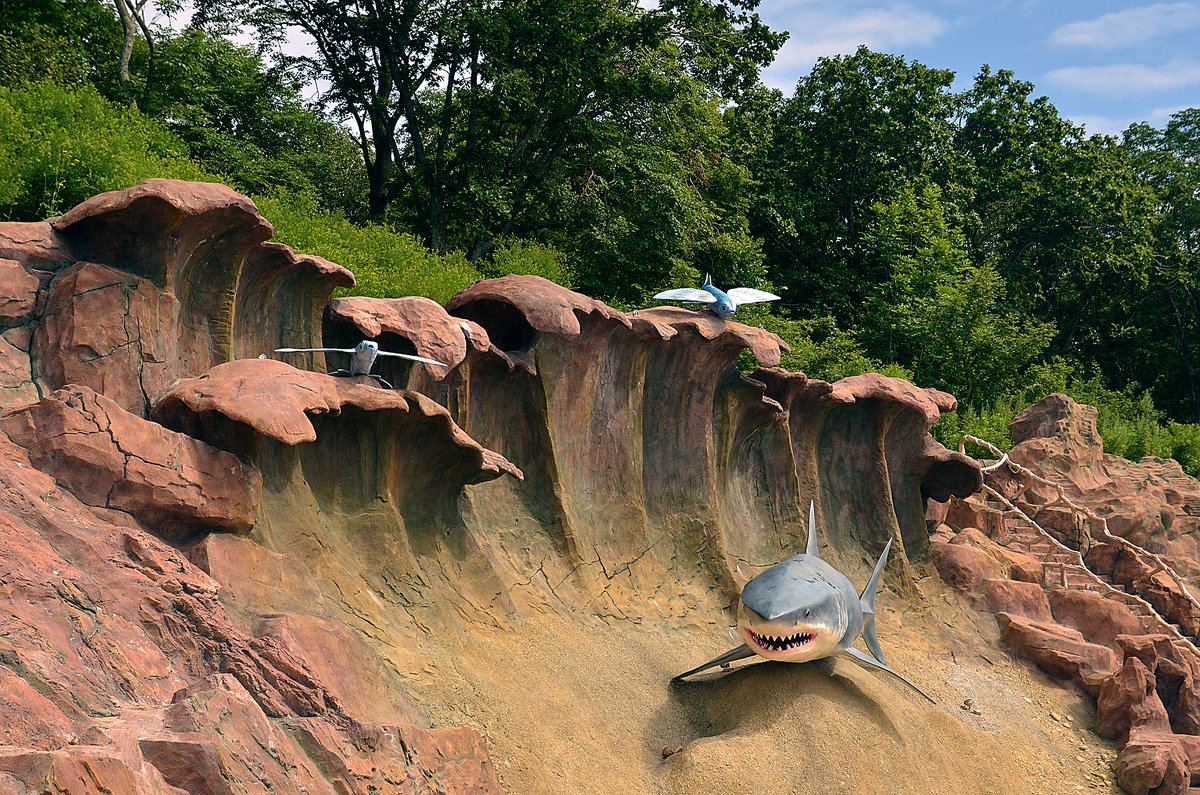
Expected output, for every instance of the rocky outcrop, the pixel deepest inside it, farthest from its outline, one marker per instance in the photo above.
(1107, 595)
(521, 548)
(109, 458)
(136, 288)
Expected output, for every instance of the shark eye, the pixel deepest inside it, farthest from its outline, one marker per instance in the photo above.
(807, 613)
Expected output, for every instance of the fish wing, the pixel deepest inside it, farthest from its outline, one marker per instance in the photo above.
(689, 294)
(413, 358)
(314, 350)
(748, 295)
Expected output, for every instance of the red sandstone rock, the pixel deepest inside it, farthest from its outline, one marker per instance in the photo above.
(112, 459)
(512, 308)
(34, 245)
(964, 567)
(1128, 700)
(1018, 598)
(16, 379)
(100, 325)
(236, 391)
(18, 293)
(1057, 650)
(433, 332)
(81, 771)
(279, 301)
(1153, 764)
(1100, 620)
(1022, 567)
(157, 282)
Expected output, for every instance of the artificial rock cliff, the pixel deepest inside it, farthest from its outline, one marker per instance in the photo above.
(231, 574)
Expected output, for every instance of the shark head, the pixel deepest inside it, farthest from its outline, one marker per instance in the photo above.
(366, 347)
(725, 308)
(796, 611)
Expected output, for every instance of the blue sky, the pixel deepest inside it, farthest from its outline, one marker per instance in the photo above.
(1102, 64)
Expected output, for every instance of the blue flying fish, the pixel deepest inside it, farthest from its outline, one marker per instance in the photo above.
(362, 359)
(803, 609)
(719, 302)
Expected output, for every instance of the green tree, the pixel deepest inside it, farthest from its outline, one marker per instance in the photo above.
(464, 105)
(249, 121)
(1169, 161)
(648, 197)
(939, 314)
(856, 131)
(59, 41)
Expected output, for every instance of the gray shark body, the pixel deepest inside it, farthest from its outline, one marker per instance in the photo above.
(362, 359)
(803, 609)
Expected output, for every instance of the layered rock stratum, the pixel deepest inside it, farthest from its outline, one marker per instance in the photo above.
(225, 573)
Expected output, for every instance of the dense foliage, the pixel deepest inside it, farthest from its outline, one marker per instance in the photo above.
(974, 241)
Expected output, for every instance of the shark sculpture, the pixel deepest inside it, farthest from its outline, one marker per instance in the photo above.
(362, 359)
(803, 609)
(719, 302)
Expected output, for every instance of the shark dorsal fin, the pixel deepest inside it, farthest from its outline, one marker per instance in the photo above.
(812, 548)
(867, 600)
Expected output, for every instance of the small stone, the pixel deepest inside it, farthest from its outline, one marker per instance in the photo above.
(1053, 716)
(1080, 759)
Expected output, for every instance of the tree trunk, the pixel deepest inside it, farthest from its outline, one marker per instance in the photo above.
(379, 174)
(130, 28)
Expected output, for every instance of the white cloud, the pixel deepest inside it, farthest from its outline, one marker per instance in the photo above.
(1121, 80)
(817, 32)
(1131, 26)
(1111, 125)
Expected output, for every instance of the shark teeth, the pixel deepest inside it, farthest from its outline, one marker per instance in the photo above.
(786, 643)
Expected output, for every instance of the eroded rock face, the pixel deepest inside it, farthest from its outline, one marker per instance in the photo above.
(109, 458)
(150, 284)
(400, 573)
(1151, 502)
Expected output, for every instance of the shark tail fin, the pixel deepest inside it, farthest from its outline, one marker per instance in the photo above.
(867, 600)
(812, 548)
(708, 278)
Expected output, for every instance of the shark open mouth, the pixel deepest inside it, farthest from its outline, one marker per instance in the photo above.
(775, 643)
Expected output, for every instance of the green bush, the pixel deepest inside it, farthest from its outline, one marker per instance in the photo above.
(528, 258)
(386, 263)
(62, 144)
(1128, 421)
(819, 349)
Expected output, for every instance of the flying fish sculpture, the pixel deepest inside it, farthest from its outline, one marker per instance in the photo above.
(719, 302)
(803, 609)
(362, 359)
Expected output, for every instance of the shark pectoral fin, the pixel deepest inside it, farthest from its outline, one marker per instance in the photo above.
(740, 653)
(867, 602)
(871, 637)
(812, 548)
(864, 658)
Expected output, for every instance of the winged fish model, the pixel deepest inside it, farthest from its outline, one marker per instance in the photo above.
(362, 358)
(803, 609)
(719, 302)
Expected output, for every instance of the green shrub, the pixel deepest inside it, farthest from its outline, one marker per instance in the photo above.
(62, 144)
(386, 263)
(819, 349)
(528, 258)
